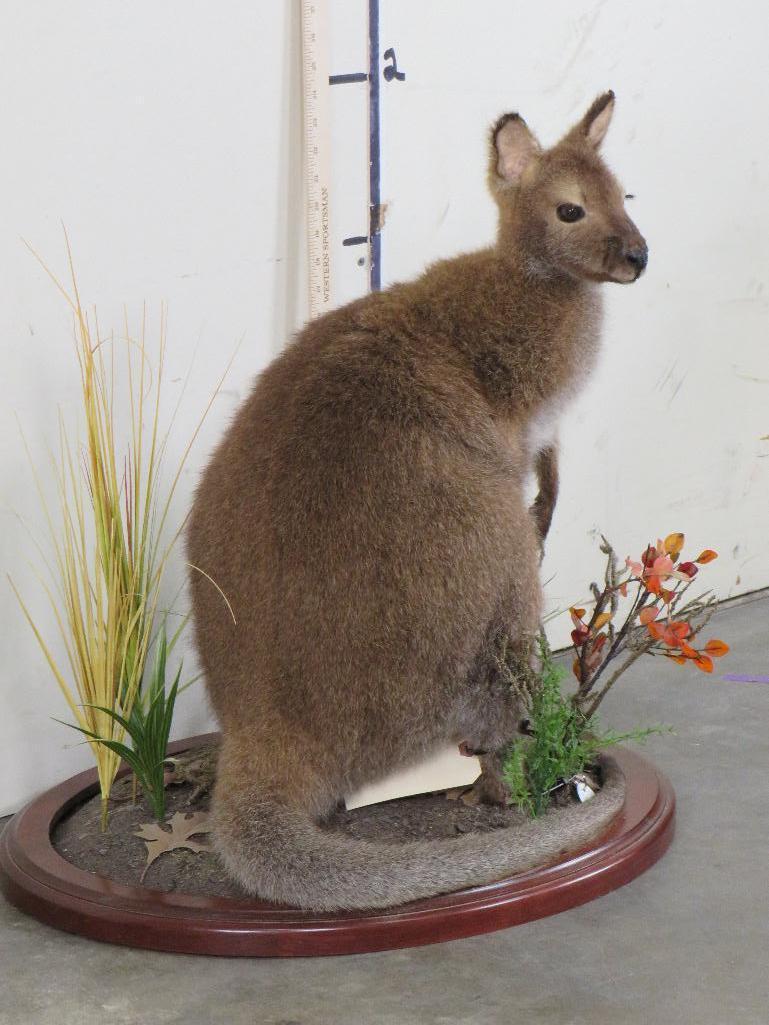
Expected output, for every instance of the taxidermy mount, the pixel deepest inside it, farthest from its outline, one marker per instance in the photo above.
(365, 516)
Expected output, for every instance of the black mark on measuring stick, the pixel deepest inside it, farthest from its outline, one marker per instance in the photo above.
(391, 71)
(356, 76)
(355, 240)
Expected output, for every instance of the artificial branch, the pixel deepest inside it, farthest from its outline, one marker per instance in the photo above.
(658, 622)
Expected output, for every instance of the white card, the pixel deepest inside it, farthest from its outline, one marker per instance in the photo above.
(444, 769)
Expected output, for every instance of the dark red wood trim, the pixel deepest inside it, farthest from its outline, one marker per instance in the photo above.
(35, 878)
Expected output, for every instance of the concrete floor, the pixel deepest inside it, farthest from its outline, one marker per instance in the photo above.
(688, 942)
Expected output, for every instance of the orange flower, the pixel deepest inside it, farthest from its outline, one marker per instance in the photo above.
(658, 564)
(636, 568)
(580, 633)
(593, 656)
(707, 556)
(659, 570)
(704, 663)
(672, 634)
(673, 544)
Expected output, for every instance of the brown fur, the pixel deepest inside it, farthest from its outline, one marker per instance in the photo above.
(365, 517)
(546, 469)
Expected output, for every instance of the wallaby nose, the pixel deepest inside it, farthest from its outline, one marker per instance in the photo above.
(637, 257)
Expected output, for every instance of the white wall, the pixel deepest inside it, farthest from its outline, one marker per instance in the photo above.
(667, 436)
(167, 137)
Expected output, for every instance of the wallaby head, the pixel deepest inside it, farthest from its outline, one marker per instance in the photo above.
(562, 211)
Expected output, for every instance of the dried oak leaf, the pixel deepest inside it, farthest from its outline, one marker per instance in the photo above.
(160, 841)
(467, 795)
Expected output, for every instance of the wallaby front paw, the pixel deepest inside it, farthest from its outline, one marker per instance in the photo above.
(490, 787)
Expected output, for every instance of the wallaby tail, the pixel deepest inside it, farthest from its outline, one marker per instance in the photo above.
(279, 854)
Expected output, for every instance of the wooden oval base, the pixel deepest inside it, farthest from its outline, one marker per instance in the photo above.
(35, 878)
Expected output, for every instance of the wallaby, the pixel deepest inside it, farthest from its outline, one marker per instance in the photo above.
(365, 516)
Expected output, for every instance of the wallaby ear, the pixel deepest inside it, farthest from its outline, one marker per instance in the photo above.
(513, 148)
(594, 125)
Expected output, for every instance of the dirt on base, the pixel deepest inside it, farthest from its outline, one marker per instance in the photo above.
(120, 855)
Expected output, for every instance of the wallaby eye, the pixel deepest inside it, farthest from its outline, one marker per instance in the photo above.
(570, 212)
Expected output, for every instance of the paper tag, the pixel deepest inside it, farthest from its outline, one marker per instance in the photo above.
(584, 790)
(442, 770)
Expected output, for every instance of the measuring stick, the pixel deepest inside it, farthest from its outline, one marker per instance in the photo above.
(317, 150)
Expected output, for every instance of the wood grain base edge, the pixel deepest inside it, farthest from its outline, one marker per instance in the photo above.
(36, 879)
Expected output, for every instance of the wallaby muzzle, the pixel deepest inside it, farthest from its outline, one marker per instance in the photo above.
(627, 253)
(637, 255)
